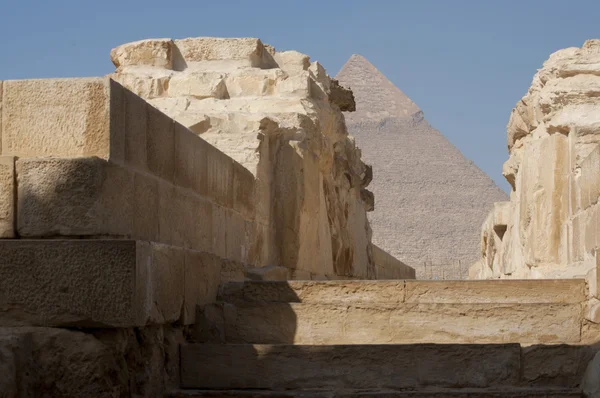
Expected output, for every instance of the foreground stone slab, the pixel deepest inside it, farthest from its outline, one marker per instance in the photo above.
(377, 323)
(386, 393)
(352, 366)
(101, 283)
(390, 292)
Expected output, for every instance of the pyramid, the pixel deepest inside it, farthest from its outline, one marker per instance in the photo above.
(430, 201)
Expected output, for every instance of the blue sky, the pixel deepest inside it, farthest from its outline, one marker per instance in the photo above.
(464, 62)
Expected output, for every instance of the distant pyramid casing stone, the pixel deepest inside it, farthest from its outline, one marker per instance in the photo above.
(430, 201)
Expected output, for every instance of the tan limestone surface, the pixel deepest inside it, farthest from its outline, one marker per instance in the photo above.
(278, 115)
(430, 201)
(549, 228)
(399, 312)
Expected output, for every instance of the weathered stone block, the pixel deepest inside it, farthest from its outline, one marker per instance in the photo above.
(282, 367)
(161, 268)
(297, 86)
(160, 144)
(56, 117)
(237, 243)
(292, 62)
(220, 225)
(124, 283)
(212, 48)
(54, 362)
(253, 82)
(202, 278)
(146, 208)
(190, 160)
(135, 129)
(147, 85)
(559, 365)
(79, 196)
(389, 267)
(219, 177)
(7, 196)
(377, 323)
(243, 191)
(567, 291)
(199, 85)
(151, 52)
(330, 292)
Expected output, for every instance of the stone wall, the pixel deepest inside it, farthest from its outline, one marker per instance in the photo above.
(548, 229)
(389, 267)
(120, 223)
(278, 115)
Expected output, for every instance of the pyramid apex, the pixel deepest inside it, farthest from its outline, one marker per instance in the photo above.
(376, 95)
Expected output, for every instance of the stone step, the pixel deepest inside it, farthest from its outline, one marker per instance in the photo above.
(564, 291)
(385, 323)
(374, 367)
(425, 393)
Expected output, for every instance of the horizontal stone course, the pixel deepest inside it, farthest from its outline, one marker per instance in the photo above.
(377, 323)
(352, 366)
(562, 291)
(102, 283)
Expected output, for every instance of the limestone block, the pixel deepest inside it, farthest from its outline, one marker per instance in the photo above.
(125, 283)
(161, 268)
(185, 219)
(160, 144)
(54, 362)
(151, 52)
(56, 117)
(219, 227)
(560, 365)
(566, 291)
(199, 85)
(191, 160)
(409, 323)
(202, 278)
(323, 292)
(296, 86)
(590, 384)
(219, 177)
(7, 196)
(364, 367)
(389, 267)
(592, 228)
(320, 75)
(253, 82)
(73, 197)
(243, 191)
(237, 244)
(134, 127)
(292, 62)
(146, 84)
(589, 181)
(231, 270)
(146, 207)
(212, 48)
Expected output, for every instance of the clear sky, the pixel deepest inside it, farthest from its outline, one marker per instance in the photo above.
(464, 62)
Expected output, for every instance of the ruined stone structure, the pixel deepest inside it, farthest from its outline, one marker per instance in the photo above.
(549, 228)
(134, 252)
(279, 116)
(430, 200)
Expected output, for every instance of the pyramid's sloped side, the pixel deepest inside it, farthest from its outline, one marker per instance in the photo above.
(376, 96)
(430, 201)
